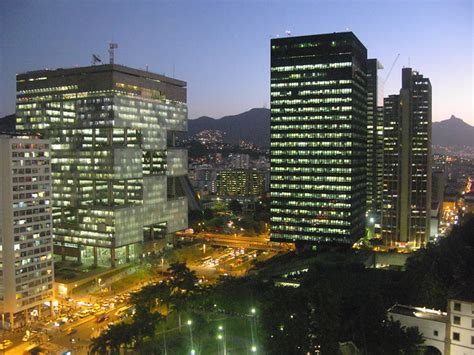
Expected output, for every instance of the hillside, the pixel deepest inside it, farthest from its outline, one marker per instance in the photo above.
(251, 126)
(453, 132)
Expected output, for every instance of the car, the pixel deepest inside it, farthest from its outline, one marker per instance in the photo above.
(101, 318)
(5, 344)
(71, 331)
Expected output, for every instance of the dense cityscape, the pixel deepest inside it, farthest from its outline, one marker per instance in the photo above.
(338, 221)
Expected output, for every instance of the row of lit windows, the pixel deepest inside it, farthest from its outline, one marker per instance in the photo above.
(322, 92)
(307, 229)
(311, 66)
(49, 89)
(328, 100)
(343, 179)
(311, 109)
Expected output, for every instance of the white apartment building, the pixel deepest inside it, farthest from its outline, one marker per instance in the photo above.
(26, 254)
(461, 326)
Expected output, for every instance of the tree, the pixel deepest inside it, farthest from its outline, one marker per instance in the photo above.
(182, 283)
(111, 340)
(394, 339)
(444, 269)
(235, 207)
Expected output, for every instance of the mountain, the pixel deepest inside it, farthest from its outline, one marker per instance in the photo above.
(7, 124)
(452, 132)
(252, 126)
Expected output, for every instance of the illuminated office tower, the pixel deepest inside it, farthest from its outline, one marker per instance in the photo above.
(117, 175)
(407, 163)
(374, 142)
(26, 254)
(318, 138)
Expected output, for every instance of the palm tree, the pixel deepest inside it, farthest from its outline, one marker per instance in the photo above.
(100, 345)
(182, 283)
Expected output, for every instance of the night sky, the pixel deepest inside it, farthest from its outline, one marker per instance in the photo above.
(222, 48)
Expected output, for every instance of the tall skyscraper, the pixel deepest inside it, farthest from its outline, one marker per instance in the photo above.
(116, 171)
(318, 138)
(26, 255)
(374, 142)
(407, 163)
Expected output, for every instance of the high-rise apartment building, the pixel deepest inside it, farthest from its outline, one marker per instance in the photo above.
(240, 182)
(26, 254)
(318, 138)
(115, 167)
(374, 141)
(407, 163)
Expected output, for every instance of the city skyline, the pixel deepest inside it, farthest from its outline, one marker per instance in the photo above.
(225, 78)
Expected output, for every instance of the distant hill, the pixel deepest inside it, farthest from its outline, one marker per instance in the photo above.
(453, 132)
(7, 124)
(252, 126)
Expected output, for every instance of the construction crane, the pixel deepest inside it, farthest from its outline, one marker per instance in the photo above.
(391, 68)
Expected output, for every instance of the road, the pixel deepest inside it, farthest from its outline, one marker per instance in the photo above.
(261, 242)
(84, 329)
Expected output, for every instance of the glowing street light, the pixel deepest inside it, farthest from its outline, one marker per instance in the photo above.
(190, 322)
(222, 337)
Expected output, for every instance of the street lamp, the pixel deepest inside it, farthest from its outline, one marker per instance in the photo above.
(190, 322)
(162, 267)
(222, 337)
(253, 327)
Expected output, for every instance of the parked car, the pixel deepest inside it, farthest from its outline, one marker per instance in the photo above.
(4, 344)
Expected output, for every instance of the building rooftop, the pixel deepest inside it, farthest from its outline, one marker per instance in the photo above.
(419, 312)
(100, 68)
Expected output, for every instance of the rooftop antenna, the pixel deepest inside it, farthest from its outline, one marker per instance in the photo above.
(288, 33)
(96, 59)
(112, 46)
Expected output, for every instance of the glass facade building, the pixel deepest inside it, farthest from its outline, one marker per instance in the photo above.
(115, 167)
(407, 163)
(318, 138)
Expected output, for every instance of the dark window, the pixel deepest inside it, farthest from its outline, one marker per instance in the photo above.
(457, 307)
(457, 320)
(472, 323)
(456, 336)
(435, 333)
(472, 340)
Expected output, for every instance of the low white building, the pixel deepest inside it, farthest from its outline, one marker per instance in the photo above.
(430, 323)
(450, 333)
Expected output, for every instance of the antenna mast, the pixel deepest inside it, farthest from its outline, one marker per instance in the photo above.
(112, 46)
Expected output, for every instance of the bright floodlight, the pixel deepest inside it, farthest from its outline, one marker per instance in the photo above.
(190, 322)
(193, 352)
(219, 336)
(254, 349)
(221, 327)
(253, 310)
